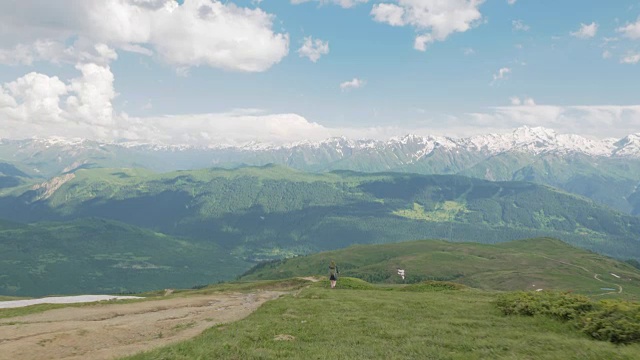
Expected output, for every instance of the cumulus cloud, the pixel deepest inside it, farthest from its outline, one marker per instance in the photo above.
(631, 58)
(586, 31)
(519, 25)
(57, 53)
(313, 49)
(511, 2)
(516, 101)
(502, 74)
(355, 83)
(37, 104)
(41, 105)
(434, 19)
(343, 3)
(597, 121)
(199, 32)
(631, 31)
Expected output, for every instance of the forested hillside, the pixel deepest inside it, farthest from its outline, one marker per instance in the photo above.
(272, 212)
(103, 256)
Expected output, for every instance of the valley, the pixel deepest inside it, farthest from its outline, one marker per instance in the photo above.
(130, 230)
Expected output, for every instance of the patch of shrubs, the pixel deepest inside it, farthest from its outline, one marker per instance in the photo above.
(560, 305)
(427, 286)
(616, 321)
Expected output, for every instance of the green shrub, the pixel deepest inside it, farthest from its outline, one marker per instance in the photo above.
(427, 286)
(608, 320)
(614, 321)
(561, 305)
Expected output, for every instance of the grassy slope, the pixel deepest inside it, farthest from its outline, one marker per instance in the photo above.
(516, 265)
(103, 256)
(382, 324)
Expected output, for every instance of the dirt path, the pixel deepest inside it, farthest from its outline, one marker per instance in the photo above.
(595, 276)
(111, 331)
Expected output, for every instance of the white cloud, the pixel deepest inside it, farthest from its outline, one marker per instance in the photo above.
(388, 13)
(468, 51)
(435, 19)
(39, 105)
(342, 3)
(511, 2)
(199, 32)
(519, 25)
(422, 41)
(631, 58)
(631, 31)
(313, 49)
(597, 121)
(586, 31)
(501, 74)
(355, 83)
(56, 52)
(516, 101)
(606, 54)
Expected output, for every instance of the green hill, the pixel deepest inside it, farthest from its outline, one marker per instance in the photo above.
(273, 212)
(104, 256)
(517, 265)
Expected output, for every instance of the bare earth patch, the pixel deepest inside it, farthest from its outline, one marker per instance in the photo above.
(112, 331)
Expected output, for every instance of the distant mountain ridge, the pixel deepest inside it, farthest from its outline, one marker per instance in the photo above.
(607, 171)
(535, 140)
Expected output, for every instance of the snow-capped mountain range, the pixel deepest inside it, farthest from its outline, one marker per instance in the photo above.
(532, 140)
(607, 170)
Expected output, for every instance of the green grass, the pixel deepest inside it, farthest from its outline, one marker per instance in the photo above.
(518, 265)
(320, 323)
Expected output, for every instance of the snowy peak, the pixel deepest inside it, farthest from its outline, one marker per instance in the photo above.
(538, 140)
(531, 140)
(628, 146)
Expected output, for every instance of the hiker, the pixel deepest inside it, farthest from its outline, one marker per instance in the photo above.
(333, 273)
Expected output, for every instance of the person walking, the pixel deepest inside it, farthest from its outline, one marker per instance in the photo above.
(333, 273)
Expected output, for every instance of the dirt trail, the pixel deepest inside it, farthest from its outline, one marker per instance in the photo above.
(111, 331)
(595, 276)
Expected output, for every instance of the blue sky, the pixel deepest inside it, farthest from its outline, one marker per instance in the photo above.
(569, 65)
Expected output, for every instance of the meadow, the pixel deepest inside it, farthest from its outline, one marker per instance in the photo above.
(362, 321)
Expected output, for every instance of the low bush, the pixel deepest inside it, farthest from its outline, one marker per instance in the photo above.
(615, 321)
(561, 305)
(608, 320)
